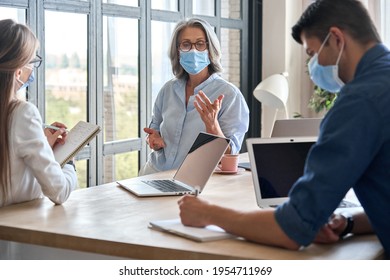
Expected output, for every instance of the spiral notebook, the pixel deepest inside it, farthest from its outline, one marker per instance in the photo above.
(79, 136)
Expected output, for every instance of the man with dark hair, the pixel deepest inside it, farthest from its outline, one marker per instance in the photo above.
(349, 16)
(353, 147)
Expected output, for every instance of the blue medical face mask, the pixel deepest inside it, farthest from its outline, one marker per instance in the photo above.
(194, 61)
(30, 79)
(326, 77)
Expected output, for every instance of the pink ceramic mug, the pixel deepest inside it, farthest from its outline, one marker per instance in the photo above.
(229, 163)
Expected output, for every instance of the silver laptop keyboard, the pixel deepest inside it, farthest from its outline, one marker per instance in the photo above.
(165, 185)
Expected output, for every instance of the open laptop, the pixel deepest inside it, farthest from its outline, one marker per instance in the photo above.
(192, 175)
(302, 127)
(276, 164)
(308, 127)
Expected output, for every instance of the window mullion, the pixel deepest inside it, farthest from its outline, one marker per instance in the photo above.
(95, 74)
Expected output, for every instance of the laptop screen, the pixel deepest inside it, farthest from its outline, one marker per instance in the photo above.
(201, 160)
(308, 127)
(276, 164)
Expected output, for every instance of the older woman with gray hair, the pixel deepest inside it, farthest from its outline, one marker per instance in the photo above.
(197, 100)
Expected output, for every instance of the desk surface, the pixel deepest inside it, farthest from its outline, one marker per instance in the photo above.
(109, 220)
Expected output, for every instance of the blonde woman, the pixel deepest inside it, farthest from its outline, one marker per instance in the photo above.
(28, 169)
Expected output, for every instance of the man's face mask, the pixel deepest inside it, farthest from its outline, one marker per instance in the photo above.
(30, 79)
(194, 61)
(326, 77)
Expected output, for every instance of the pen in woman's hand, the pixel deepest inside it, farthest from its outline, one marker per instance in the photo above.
(53, 127)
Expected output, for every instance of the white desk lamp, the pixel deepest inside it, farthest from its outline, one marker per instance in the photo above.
(273, 92)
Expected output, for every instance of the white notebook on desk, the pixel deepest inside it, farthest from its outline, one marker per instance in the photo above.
(79, 136)
(174, 226)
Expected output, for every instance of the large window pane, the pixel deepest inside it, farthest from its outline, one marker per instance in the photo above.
(203, 7)
(120, 60)
(231, 9)
(18, 15)
(133, 3)
(169, 5)
(161, 64)
(121, 110)
(66, 70)
(231, 55)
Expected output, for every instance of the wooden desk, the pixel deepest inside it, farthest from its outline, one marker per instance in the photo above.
(111, 221)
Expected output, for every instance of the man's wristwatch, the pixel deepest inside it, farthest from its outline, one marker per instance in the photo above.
(71, 162)
(350, 223)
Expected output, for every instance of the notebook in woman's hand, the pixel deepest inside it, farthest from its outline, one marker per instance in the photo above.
(79, 136)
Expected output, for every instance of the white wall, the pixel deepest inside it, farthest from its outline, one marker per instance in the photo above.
(281, 53)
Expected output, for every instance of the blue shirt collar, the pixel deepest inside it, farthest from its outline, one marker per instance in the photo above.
(371, 55)
(180, 85)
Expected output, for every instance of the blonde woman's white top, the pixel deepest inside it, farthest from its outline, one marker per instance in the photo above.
(34, 170)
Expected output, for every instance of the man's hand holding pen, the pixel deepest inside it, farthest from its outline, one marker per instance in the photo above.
(154, 139)
(55, 133)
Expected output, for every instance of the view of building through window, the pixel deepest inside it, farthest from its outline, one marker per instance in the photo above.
(66, 72)
(120, 93)
(231, 55)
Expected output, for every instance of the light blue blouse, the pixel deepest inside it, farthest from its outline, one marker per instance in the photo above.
(179, 125)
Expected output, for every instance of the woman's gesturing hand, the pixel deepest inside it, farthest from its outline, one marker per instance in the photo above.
(208, 111)
(154, 139)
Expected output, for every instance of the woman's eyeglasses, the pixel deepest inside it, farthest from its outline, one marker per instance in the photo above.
(186, 46)
(36, 62)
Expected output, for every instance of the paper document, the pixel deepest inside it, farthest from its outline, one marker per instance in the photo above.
(175, 226)
(79, 136)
